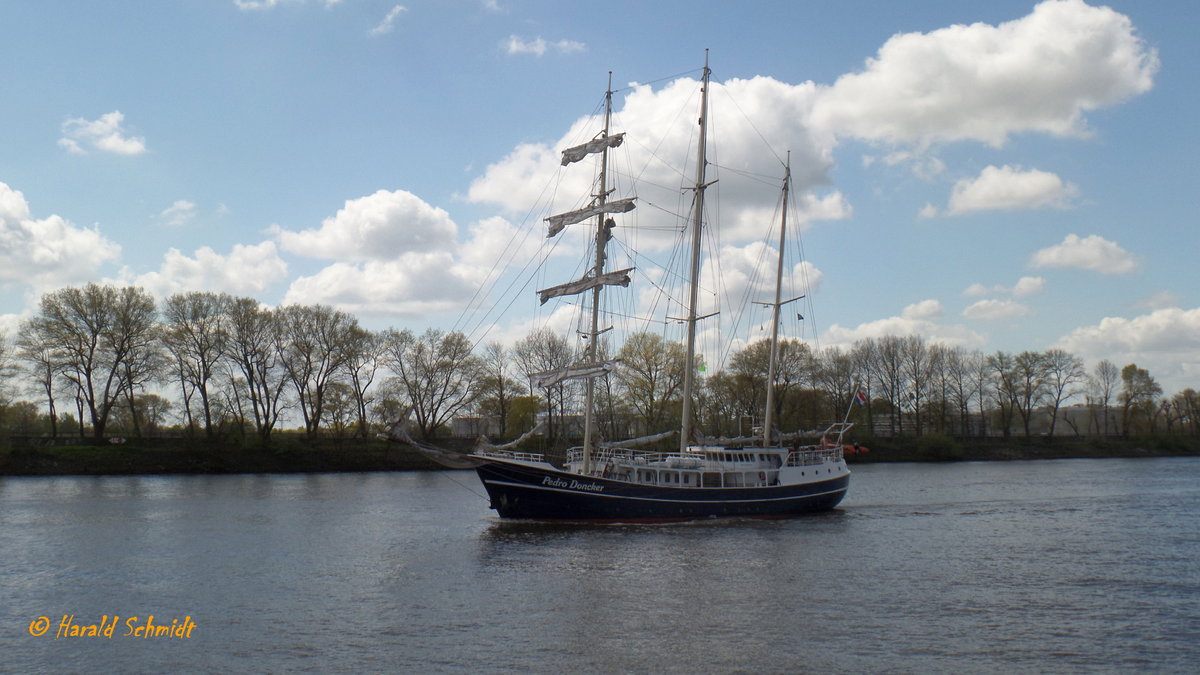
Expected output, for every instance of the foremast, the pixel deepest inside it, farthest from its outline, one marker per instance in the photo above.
(689, 371)
(602, 235)
(596, 278)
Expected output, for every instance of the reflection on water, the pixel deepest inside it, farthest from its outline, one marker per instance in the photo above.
(1054, 566)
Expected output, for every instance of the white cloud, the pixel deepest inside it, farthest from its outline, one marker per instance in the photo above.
(1090, 253)
(246, 270)
(924, 166)
(659, 148)
(47, 253)
(994, 310)
(271, 4)
(981, 82)
(1024, 286)
(928, 211)
(924, 310)
(105, 134)
(1159, 300)
(179, 214)
(1028, 286)
(1166, 342)
(538, 47)
(389, 22)
(1009, 189)
(379, 226)
(413, 284)
(900, 326)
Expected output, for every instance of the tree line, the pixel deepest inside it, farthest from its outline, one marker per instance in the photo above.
(217, 366)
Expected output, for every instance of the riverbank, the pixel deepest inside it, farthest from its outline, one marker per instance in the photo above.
(175, 456)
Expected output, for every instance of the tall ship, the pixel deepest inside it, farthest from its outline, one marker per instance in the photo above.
(765, 475)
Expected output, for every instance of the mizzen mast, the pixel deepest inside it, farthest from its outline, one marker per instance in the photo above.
(776, 308)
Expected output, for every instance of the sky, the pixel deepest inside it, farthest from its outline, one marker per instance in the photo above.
(998, 175)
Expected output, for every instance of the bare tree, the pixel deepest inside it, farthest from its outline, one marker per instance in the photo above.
(917, 363)
(196, 332)
(1005, 388)
(253, 339)
(313, 343)
(539, 352)
(102, 337)
(1063, 372)
(439, 373)
(960, 368)
(498, 386)
(35, 349)
(1103, 387)
(1029, 385)
(364, 354)
(890, 373)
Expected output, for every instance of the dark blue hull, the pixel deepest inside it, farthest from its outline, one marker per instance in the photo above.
(520, 491)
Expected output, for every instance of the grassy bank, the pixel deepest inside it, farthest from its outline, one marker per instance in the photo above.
(293, 455)
(192, 457)
(939, 448)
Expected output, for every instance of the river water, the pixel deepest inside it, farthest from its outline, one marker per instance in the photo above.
(1040, 567)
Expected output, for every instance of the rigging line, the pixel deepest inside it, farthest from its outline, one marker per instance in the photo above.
(647, 319)
(666, 78)
(809, 306)
(514, 296)
(493, 274)
(468, 488)
(770, 148)
(765, 179)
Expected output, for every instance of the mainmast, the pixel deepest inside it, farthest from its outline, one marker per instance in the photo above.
(777, 306)
(685, 433)
(602, 236)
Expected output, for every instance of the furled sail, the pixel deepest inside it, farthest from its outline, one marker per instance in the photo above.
(553, 377)
(557, 223)
(591, 147)
(641, 440)
(484, 446)
(617, 278)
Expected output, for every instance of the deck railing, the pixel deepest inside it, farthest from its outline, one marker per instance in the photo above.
(815, 455)
(509, 454)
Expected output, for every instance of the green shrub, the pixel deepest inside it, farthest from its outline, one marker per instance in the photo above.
(938, 447)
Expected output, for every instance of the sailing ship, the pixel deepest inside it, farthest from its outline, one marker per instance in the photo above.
(617, 482)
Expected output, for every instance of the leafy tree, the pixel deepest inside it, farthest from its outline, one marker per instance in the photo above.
(650, 378)
(522, 414)
(1139, 395)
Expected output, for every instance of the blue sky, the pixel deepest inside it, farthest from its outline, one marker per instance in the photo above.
(1000, 175)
